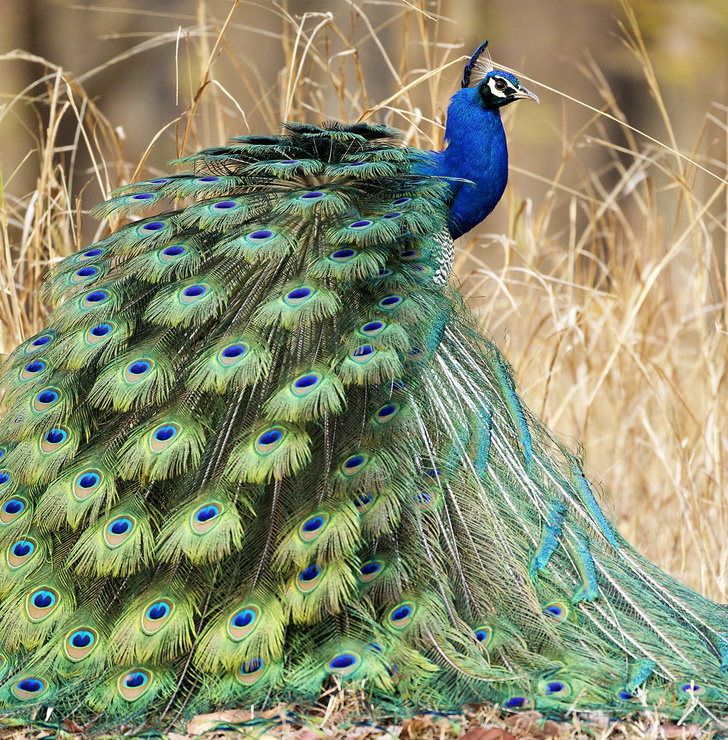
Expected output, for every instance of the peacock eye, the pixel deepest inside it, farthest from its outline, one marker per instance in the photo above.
(500, 83)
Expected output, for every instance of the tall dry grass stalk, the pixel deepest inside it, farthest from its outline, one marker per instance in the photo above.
(608, 297)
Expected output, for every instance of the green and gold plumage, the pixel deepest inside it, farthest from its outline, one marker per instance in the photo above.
(262, 446)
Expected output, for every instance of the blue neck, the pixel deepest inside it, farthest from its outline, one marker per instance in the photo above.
(476, 151)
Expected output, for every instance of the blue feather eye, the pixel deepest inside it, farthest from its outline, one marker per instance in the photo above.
(134, 684)
(242, 623)
(205, 517)
(120, 526)
(156, 616)
(306, 384)
(251, 671)
(344, 664)
(244, 618)
(153, 226)
(370, 570)
(4, 477)
(309, 578)
(42, 341)
(386, 413)
(158, 611)
(307, 381)
(692, 689)
(269, 440)
(95, 297)
(81, 639)
(45, 399)
(101, 330)
(363, 351)
(309, 573)
(23, 548)
(12, 509)
(557, 688)
(206, 513)
(29, 688)
(556, 610)
(363, 502)
(401, 615)
(165, 433)
(53, 440)
(80, 643)
(119, 530)
(312, 195)
(312, 528)
(139, 367)
(624, 695)
(32, 370)
(192, 293)
(92, 253)
(174, 251)
(233, 351)
(85, 484)
(21, 553)
(363, 224)
(515, 702)
(372, 328)
(41, 603)
(56, 436)
(85, 273)
(135, 680)
(483, 635)
(390, 302)
(260, 235)
(298, 295)
(343, 255)
(313, 524)
(352, 465)
(401, 201)
(424, 500)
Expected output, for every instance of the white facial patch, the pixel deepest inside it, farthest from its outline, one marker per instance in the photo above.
(500, 87)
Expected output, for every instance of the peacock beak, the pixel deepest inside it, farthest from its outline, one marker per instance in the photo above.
(525, 94)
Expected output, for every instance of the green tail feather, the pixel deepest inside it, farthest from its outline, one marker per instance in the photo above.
(261, 449)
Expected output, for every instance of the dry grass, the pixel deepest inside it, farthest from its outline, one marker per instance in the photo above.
(609, 298)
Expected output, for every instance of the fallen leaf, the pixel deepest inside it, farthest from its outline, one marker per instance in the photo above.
(70, 726)
(494, 733)
(414, 727)
(670, 730)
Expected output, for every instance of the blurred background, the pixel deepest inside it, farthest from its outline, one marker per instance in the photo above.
(601, 274)
(139, 61)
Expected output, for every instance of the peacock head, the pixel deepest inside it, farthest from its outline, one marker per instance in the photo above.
(491, 88)
(499, 88)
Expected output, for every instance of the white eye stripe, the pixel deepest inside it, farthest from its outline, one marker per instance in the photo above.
(505, 92)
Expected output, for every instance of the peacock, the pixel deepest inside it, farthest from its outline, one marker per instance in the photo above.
(262, 448)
